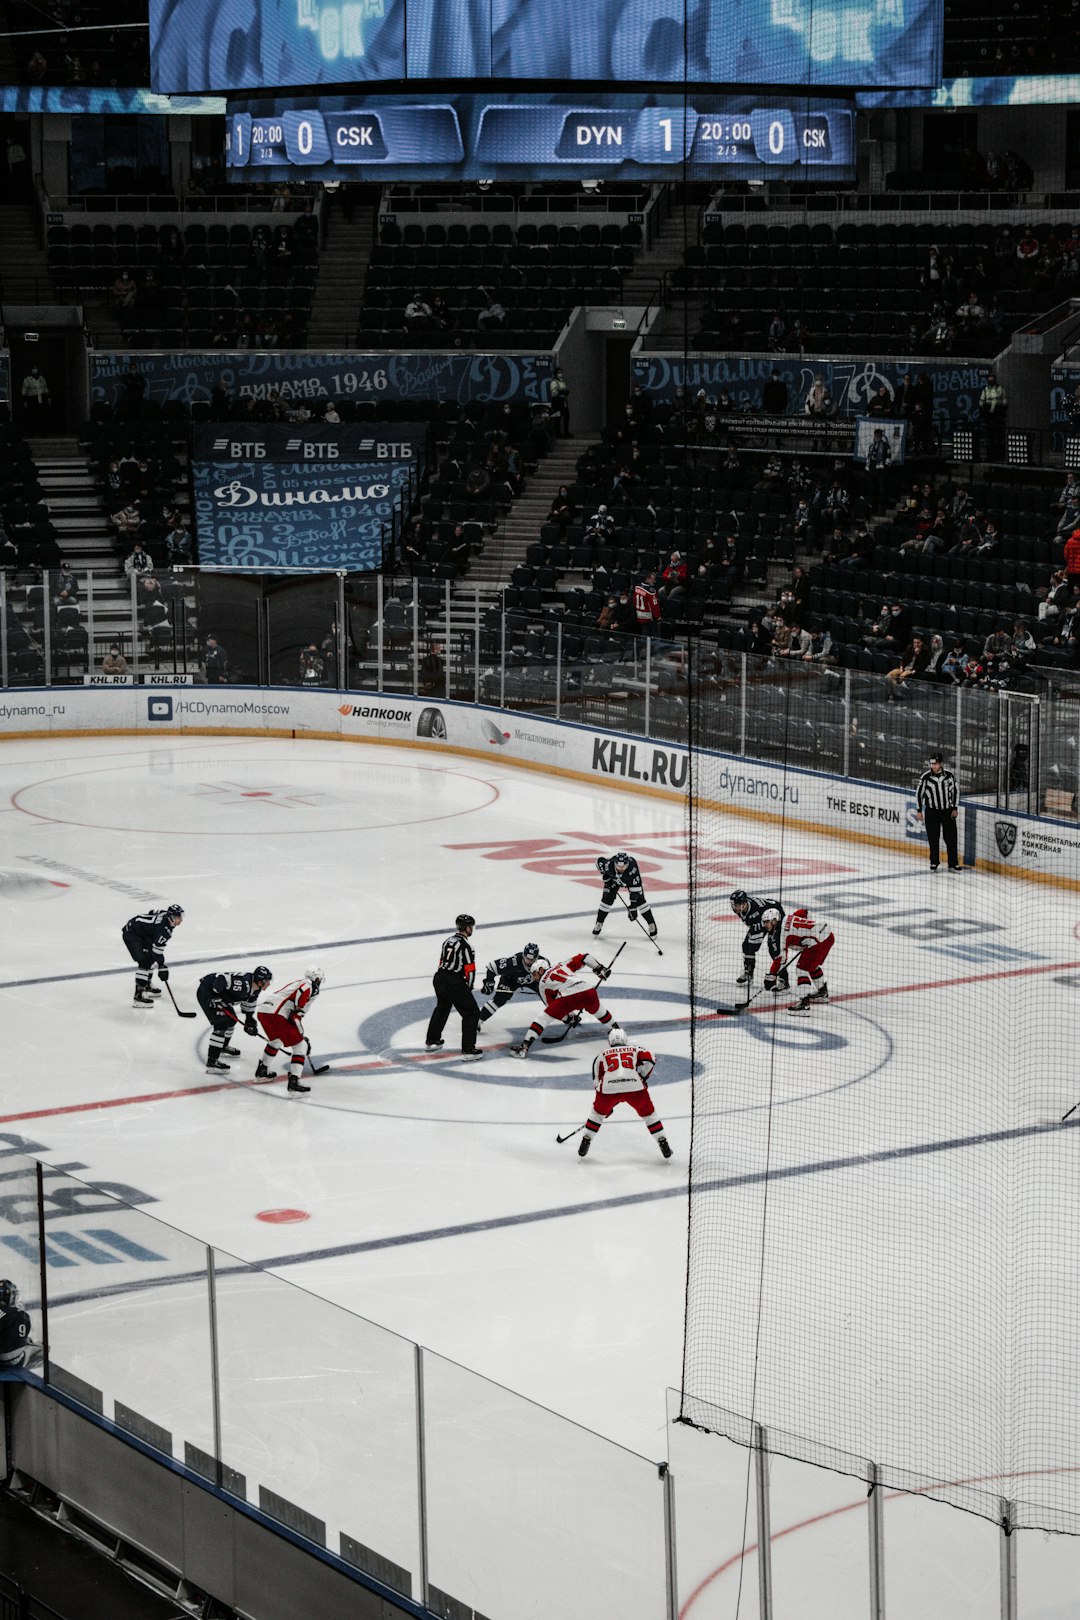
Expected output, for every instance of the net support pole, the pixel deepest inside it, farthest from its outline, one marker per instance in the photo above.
(476, 644)
(380, 640)
(5, 674)
(847, 729)
(421, 1474)
(558, 670)
(742, 703)
(671, 1567)
(502, 655)
(764, 1525)
(875, 1521)
(215, 1368)
(1008, 1562)
(958, 747)
(648, 682)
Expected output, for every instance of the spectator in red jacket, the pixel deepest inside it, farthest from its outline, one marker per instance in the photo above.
(646, 605)
(1072, 558)
(674, 578)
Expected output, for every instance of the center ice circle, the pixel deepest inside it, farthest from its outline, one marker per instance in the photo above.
(219, 796)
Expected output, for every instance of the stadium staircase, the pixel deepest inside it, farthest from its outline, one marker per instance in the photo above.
(343, 263)
(82, 528)
(667, 252)
(504, 550)
(25, 278)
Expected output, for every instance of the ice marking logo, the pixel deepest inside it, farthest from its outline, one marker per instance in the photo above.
(1005, 835)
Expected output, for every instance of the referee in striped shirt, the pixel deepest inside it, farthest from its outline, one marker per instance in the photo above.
(453, 988)
(937, 809)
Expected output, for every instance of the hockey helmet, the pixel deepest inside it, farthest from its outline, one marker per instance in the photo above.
(646, 1063)
(317, 978)
(622, 858)
(615, 1036)
(531, 952)
(261, 975)
(9, 1294)
(463, 920)
(771, 916)
(740, 900)
(540, 967)
(174, 913)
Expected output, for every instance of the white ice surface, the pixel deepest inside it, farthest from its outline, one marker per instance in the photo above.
(435, 1202)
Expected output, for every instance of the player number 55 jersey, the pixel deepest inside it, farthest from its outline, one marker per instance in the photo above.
(619, 1069)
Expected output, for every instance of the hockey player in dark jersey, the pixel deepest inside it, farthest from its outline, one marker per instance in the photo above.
(146, 937)
(759, 928)
(621, 872)
(505, 976)
(220, 995)
(16, 1347)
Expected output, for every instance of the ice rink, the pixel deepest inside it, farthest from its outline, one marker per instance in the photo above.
(429, 1196)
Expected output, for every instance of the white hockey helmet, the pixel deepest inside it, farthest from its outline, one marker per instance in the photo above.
(616, 1036)
(539, 967)
(770, 917)
(317, 979)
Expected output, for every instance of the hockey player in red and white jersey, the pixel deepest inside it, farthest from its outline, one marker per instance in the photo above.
(621, 1074)
(564, 990)
(810, 942)
(281, 1015)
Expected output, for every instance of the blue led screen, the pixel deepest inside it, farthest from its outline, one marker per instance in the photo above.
(218, 45)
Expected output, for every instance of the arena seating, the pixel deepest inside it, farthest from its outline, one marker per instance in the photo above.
(198, 286)
(537, 274)
(834, 279)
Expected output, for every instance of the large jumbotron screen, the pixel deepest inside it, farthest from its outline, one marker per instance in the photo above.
(217, 45)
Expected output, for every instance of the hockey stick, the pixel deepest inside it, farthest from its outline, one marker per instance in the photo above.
(571, 1021)
(733, 1012)
(177, 1010)
(316, 1068)
(628, 908)
(569, 1134)
(1072, 1110)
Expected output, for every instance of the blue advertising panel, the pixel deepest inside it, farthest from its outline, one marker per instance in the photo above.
(313, 443)
(524, 137)
(279, 514)
(95, 99)
(298, 377)
(852, 382)
(216, 45)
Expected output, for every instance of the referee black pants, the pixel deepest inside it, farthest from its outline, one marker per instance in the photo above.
(451, 990)
(941, 824)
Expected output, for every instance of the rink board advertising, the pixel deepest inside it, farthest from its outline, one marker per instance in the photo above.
(214, 45)
(1024, 846)
(525, 137)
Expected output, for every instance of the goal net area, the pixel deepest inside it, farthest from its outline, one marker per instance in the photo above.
(881, 1277)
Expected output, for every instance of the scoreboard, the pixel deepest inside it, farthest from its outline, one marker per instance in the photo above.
(527, 138)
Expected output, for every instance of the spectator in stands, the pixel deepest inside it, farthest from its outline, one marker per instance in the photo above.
(492, 317)
(881, 406)
(65, 586)
(804, 530)
(417, 314)
(1072, 559)
(124, 291)
(559, 399)
(820, 649)
(778, 328)
(607, 618)
(138, 561)
(1022, 647)
(601, 526)
(626, 621)
(878, 456)
(114, 662)
(913, 662)
(674, 579)
(819, 401)
(154, 611)
(780, 632)
(993, 410)
(35, 394)
(755, 638)
(215, 661)
(997, 643)
(36, 68)
(1018, 171)
(9, 551)
(774, 395)
(1027, 251)
(646, 604)
(798, 642)
(134, 384)
(177, 542)
(562, 509)
(941, 332)
(312, 669)
(954, 666)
